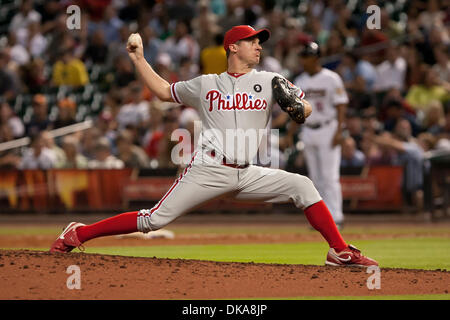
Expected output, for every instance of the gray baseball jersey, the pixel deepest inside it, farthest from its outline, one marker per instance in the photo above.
(229, 104)
(236, 103)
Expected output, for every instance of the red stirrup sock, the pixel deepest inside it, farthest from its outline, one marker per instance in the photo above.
(119, 224)
(320, 219)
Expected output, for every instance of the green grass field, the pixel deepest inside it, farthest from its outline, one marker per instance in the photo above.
(398, 253)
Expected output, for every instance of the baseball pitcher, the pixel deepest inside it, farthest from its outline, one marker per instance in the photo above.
(239, 100)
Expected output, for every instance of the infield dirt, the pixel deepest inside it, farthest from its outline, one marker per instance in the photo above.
(41, 275)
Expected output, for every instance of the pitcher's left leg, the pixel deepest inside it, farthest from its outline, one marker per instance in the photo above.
(274, 185)
(279, 186)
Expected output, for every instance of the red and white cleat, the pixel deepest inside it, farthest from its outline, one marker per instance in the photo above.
(349, 257)
(68, 239)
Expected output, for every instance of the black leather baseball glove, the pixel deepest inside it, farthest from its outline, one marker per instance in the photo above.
(288, 100)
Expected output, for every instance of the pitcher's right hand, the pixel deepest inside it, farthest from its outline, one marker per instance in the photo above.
(134, 47)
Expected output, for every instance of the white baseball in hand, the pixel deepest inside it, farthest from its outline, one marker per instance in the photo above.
(134, 41)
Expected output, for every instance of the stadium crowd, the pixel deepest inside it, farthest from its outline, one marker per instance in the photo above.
(397, 77)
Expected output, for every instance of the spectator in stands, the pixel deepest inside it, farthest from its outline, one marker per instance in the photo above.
(330, 14)
(130, 11)
(107, 126)
(123, 72)
(370, 120)
(69, 71)
(427, 141)
(37, 156)
(132, 155)
(187, 120)
(434, 119)
(97, 49)
(181, 44)
(234, 15)
(187, 70)
(316, 30)
(432, 16)
(435, 37)
(8, 80)
(391, 28)
(353, 123)
(333, 50)
(118, 48)
(359, 77)
(155, 125)
(49, 143)
(205, 26)
(375, 154)
(161, 144)
(60, 39)
(136, 111)
(367, 72)
(88, 141)
(152, 45)
(373, 39)
(273, 19)
(213, 59)
(39, 120)
(419, 96)
(109, 25)
(8, 118)
(414, 64)
(73, 158)
(49, 11)
(442, 65)
(18, 53)
(103, 157)
(181, 10)
(160, 22)
(36, 42)
(411, 155)
(32, 76)
(348, 72)
(9, 159)
(164, 67)
(67, 110)
(24, 17)
(287, 50)
(394, 111)
(270, 64)
(218, 7)
(347, 26)
(113, 100)
(391, 95)
(351, 156)
(391, 72)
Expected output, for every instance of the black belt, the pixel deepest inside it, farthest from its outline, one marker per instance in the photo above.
(318, 125)
(212, 154)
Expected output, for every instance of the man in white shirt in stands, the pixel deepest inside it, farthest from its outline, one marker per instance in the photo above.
(391, 72)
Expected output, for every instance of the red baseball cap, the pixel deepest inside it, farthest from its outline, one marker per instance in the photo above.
(243, 32)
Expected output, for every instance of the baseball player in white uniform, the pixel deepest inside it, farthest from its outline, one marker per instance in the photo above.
(241, 100)
(322, 132)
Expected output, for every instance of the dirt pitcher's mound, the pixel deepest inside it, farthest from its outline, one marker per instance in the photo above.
(42, 275)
